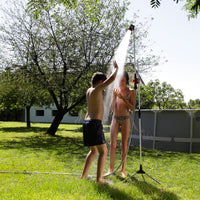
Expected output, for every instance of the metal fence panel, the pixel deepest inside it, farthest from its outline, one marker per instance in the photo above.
(169, 130)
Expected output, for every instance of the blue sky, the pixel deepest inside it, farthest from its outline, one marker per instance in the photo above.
(179, 41)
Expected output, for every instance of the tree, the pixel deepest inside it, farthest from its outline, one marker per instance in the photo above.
(146, 96)
(17, 91)
(194, 104)
(192, 6)
(9, 92)
(64, 46)
(161, 95)
(156, 3)
(31, 93)
(35, 6)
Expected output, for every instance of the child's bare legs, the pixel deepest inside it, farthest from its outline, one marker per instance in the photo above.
(113, 143)
(89, 158)
(125, 128)
(102, 149)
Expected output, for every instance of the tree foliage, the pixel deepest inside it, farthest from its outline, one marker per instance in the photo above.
(37, 6)
(192, 6)
(9, 93)
(194, 104)
(162, 96)
(18, 91)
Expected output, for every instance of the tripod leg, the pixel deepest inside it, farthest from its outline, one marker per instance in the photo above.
(129, 177)
(152, 178)
(143, 178)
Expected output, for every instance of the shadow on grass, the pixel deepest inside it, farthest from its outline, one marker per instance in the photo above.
(113, 193)
(158, 154)
(152, 191)
(35, 129)
(57, 145)
(194, 157)
(23, 129)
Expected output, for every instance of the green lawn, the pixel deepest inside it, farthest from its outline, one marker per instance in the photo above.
(26, 150)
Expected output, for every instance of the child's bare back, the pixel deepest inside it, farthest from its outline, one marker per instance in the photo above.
(95, 104)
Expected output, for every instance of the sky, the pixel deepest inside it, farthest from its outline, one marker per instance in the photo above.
(179, 41)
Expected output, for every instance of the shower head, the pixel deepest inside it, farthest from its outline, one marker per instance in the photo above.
(131, 27)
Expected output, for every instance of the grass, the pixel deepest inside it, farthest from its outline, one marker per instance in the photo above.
(28, 150)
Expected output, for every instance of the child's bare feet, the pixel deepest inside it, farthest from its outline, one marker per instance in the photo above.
(109, 172)
(104, 182)
(123, 174)
(86, 177)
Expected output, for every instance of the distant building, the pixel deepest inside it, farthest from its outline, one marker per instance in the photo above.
(46, 115)
(40, 115)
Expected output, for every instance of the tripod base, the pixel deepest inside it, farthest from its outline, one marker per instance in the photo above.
(141, 171)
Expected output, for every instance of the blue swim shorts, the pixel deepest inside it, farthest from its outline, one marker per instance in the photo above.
(93, 132)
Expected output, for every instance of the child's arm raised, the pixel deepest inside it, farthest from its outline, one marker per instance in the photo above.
(110, 79)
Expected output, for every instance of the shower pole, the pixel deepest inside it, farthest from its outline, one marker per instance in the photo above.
(137, 85)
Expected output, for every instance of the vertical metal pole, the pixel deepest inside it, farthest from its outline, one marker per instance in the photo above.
(139, 111)
(191, 130)
(140, 123)
(154, 131)
(141, 171)
(140, 135)
(134, 51)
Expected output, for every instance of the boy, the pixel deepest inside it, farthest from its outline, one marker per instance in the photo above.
(92, 126)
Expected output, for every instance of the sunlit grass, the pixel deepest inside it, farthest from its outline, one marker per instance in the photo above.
(25, 150)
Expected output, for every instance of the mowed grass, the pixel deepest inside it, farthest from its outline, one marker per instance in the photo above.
(24, 150)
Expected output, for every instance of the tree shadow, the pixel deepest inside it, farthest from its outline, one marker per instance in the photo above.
(59, 145)
(151, 190)
(195, 157)
(23, 129)
(113, 193)
(158, 154)
(35, 129)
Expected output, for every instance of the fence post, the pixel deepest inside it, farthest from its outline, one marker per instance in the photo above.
(191, 130)
(154, 131)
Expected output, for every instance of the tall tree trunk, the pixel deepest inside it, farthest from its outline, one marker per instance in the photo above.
(55, 124)
(28, 122)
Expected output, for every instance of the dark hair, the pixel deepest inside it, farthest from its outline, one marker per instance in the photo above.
(98, 76)
(125, 74)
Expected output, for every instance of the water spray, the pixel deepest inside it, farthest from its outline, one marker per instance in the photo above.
(120, 57)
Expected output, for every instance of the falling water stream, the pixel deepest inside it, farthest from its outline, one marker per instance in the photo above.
(120, 57)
